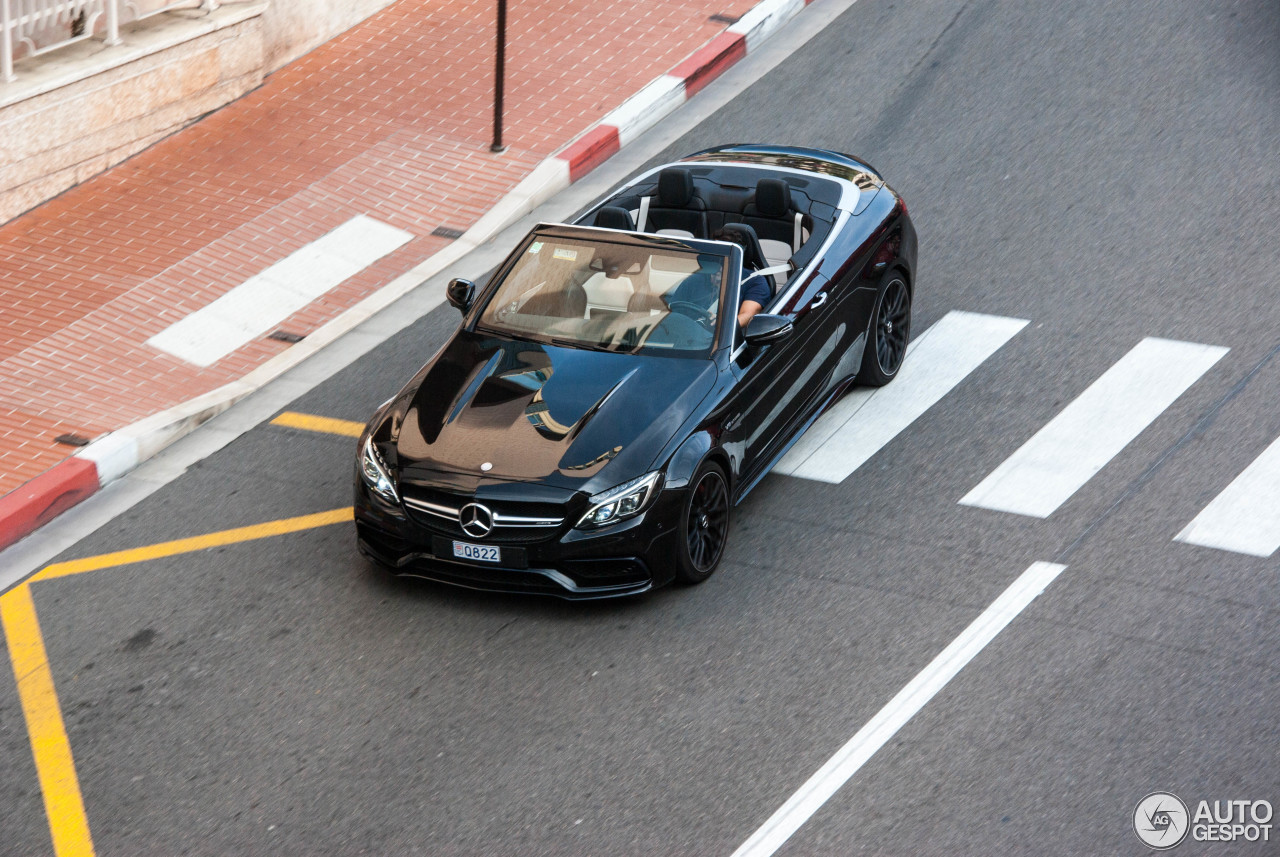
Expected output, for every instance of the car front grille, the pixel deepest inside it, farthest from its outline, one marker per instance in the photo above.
(514, 522)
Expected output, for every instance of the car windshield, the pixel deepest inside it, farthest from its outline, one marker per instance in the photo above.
(597, 294)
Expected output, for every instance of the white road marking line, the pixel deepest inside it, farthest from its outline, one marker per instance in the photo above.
(857, 426)
(270, 296)
(871, 737)
(1093, 429)
(1245, 517)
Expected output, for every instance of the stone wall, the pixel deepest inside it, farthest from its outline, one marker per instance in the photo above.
(78, 111)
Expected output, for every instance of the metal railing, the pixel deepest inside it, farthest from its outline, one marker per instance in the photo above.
(32, 27)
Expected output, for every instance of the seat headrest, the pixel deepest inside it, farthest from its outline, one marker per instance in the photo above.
(675, 187)
(745, 237)
(612, 217)
(738, 233)
(773, 198)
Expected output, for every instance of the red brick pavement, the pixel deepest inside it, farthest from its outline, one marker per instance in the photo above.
(391, 119)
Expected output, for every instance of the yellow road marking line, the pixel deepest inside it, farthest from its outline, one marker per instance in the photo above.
(62, 801)
(195, 543)
(328, 425)
(54, 764)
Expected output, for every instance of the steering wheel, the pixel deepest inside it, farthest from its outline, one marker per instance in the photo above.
(693, 311)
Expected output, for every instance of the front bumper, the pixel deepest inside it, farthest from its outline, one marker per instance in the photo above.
(627, 558)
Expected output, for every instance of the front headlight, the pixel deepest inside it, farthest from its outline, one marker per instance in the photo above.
(376, 473)
(623, 501)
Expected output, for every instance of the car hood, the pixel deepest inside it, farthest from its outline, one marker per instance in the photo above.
(563, 417)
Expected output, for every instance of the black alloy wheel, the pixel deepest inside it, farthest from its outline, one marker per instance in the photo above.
(704, 527)
(889, 334)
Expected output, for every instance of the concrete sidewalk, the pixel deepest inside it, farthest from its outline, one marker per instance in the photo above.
(372, 152)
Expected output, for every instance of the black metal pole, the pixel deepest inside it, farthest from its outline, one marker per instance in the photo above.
(499, 74)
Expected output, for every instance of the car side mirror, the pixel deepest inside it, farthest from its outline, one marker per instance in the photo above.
(765, 328)
(461, 293)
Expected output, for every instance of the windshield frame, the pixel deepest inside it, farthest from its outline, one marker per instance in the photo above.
(726, 321)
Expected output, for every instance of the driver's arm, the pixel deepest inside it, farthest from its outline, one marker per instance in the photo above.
(755, 294)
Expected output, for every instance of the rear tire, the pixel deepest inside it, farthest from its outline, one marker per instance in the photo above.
(704, 525)
(888, 335)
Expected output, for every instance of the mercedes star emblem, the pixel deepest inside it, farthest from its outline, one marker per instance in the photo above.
(476, 520)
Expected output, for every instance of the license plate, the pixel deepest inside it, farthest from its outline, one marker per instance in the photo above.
(477, 553)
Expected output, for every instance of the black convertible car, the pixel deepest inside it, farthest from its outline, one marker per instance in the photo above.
(587, 430)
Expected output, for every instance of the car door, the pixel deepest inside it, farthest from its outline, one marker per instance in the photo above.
(779, 383)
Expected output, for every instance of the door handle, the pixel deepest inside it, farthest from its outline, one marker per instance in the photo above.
(819, 300)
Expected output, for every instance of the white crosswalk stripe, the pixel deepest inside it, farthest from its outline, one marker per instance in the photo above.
(269, 297)
(1060, 458)
(840, 441)
(1245, 517)
(1065, 453)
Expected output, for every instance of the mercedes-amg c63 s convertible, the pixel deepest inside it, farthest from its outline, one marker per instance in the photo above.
(621, 382)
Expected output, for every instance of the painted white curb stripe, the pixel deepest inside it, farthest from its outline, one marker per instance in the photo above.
(871, 737)
(1094, 428)
(862, 422)
(264, 300)
(643, 110)
(1245, 517)
(113, 455)
(763, 18)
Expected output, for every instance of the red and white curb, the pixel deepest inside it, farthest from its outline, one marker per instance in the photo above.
(643, 110)
(106, 459)
(659, 98)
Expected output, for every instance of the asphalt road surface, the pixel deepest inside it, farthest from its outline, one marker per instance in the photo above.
(1105, 172)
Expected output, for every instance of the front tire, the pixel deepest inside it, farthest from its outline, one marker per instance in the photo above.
(889, 334)
(704, 525)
